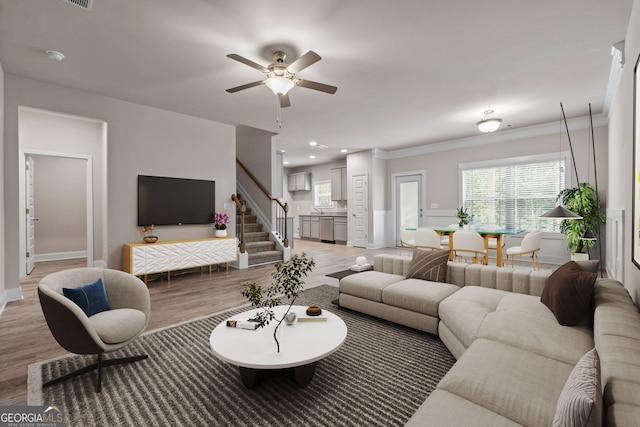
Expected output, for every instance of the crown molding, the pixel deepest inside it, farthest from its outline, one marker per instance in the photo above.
(551, 128)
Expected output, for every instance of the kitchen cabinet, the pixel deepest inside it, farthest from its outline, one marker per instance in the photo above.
(305, 227)
(300, 181)
(315, 227)
(339, 183)
(324, 228)
(340, 228)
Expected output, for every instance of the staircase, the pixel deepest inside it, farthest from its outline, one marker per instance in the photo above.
(260, 249)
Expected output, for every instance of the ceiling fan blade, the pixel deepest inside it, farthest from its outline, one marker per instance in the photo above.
(317, 86)
(247, 86)
(303, 62)
(248, 62)
(284, 101)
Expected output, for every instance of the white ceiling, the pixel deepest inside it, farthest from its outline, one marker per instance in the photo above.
(409, 72)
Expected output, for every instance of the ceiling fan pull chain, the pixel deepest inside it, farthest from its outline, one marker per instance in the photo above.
(278, 110)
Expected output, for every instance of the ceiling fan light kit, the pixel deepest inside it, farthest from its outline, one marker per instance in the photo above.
(489, 124)
(279, 85)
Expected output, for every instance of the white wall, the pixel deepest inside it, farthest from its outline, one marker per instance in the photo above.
(141, 140)
(621, 175)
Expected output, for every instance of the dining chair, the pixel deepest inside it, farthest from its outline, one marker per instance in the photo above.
(407, 239)
(426, 238)
(444, 240)
(469, 244)
(492, 242)
(530, 246)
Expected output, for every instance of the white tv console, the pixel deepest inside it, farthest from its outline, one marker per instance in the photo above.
(141, 259)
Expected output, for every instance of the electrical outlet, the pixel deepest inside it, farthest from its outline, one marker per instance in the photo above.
(434, 206)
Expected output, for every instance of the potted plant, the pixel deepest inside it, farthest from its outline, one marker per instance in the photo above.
(288, 283)
(582, 200)
(464, 216)
(220, 221)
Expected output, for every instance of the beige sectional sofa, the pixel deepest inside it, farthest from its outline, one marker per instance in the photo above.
(514, 358)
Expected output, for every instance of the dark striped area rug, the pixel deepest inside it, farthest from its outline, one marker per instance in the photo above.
(379, 377)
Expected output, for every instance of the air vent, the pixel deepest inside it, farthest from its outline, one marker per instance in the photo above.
(85, 4)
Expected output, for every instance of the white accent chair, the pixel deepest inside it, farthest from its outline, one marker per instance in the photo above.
(530, 246)
(426, 238)
(469, 244)
(407, 239)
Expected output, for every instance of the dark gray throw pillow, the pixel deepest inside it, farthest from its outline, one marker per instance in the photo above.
(429, 265)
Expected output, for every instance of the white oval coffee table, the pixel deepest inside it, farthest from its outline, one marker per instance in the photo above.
(302, 345)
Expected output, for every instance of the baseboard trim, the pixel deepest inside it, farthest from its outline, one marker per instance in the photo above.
(58, 256)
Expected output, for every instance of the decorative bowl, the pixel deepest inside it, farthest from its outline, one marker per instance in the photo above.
(150, 239)
(314, 310)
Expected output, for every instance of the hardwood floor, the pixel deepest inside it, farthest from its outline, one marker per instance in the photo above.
(25, 337)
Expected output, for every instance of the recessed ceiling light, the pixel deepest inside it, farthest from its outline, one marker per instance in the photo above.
(313, 143)
(344, 150)
(55, 55)
(285, 162)
(312, 156)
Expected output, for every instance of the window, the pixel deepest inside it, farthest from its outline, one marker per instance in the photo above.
(513, 193)
(322, 194)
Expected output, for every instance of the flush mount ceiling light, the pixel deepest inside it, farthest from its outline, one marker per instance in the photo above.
(55, 55)
(489, 124)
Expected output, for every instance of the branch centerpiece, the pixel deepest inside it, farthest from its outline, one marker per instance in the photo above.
(288, 283)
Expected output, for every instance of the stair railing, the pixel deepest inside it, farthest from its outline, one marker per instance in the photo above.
(282, 208)
(240, 205)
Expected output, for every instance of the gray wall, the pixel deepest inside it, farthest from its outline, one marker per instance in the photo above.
(141, 140)
(3, 294)
(255, 149)
(45, 131)
(60, 205)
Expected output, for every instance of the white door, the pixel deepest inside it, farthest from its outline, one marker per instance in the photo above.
(30, 214)
(408, 203)
(359, 210)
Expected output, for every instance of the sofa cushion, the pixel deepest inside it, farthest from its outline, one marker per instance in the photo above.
(532, 327)
(511, 382)
(428, 265)
(580, 403)
(568, 293)
(368, 284)
(417, 295)
(446, 409)
(464, 311)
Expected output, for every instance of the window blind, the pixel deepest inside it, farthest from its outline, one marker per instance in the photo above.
(513, 194)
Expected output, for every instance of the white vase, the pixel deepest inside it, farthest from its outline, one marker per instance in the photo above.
(221, 233)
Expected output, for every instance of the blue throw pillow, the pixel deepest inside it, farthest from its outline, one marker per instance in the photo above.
(91, 298)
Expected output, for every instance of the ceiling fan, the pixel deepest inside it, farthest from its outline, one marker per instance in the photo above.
(281, 77)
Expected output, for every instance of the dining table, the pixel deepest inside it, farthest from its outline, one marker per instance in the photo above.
(486, 235)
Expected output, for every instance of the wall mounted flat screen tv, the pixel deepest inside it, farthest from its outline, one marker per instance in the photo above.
(175, 201)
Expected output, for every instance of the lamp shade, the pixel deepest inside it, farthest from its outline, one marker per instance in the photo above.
(279, 85)
(489, 125)
(560, 212)
(588, 235)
